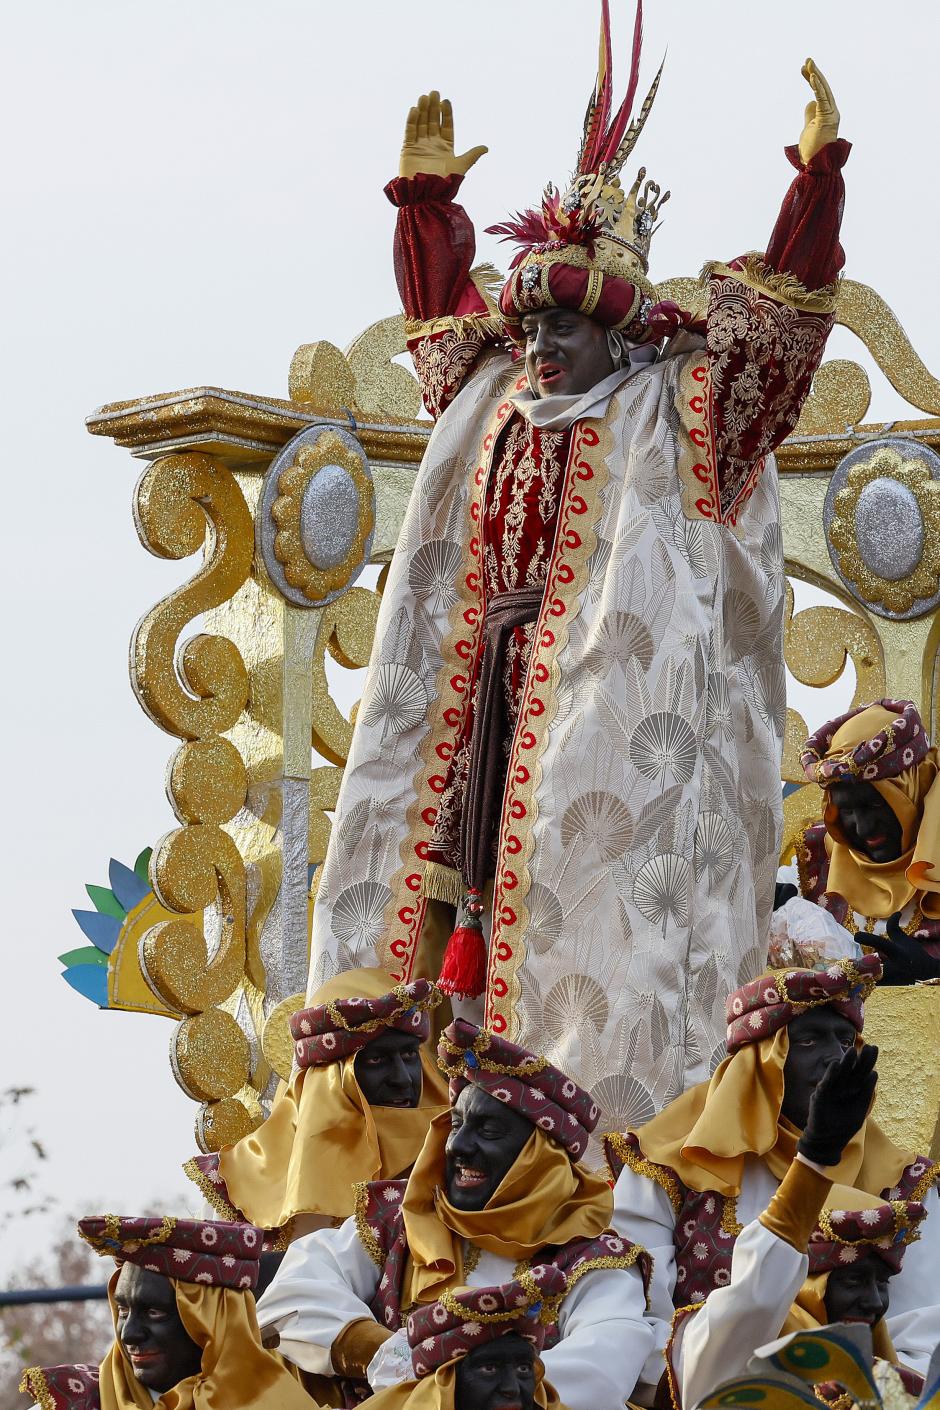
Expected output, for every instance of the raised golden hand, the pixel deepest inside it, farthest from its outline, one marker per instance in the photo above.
(429, 141)
(822, 115)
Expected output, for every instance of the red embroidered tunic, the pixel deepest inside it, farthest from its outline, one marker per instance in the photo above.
(760, 379)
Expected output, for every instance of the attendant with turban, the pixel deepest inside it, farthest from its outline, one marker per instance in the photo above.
(819, 1253)
(480, 1349)
(357, 1108)
(710, 1163)
(873, 860)
(186, 1335)
(498, 1188)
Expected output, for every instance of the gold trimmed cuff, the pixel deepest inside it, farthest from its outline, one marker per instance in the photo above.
(796, 1205)
(786, 289)
(482, 326)
(356, 1345)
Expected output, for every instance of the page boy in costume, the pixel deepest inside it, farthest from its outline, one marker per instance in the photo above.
(873, 860)
(580, 638)
(185, 1332)
(807, 1259)
(357, 1108)
(710, 1163)
(479, 1349)
(499, 1188)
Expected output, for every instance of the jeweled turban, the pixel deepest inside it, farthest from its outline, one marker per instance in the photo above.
(529, 1084)
(328, 1032)
(448, 1329)
(767, 1004)
(191, 1250)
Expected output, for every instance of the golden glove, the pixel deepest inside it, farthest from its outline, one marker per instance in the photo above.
(822, 115)
(428, 147)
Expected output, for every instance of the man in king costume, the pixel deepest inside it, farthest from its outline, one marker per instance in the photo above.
(571, 727)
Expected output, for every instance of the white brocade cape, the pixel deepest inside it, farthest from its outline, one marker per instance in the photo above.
(639, 831)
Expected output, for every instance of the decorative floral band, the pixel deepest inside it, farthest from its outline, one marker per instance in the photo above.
(326, 1033)
(530, 1085)
(900, 745)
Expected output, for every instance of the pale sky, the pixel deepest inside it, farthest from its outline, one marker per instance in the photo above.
(192, 189)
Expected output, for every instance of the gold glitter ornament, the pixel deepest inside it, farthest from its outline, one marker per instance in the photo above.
(383, 387)
(207, 781)
(178, 501)
(276, 1041)
(317, 582)
(210, 1056)
(224, 1122)
(917, 576)
(346, 631)
(321, 377)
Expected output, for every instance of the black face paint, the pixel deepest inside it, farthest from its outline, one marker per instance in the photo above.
(497, 1376)
(151, 1331)
(859, 1291)
(566, 353)
(388, 1069)
(816, 1038)
(868, 822)
(486, 1136)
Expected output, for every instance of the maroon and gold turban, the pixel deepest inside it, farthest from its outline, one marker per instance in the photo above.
(448, 1329)
(328, 1032)
(529, 1084)
(767, 1004)
(188, 1250)
(898, 744)
(842, 1236)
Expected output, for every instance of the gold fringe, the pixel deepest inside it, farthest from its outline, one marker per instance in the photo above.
(33, 1382)
(758, 275)
(925, 1183)
(471, 325)
(213, 1193)
(648, 1168)
(488, 282)
(729, 1216)
(440, 883)
(366, 1236)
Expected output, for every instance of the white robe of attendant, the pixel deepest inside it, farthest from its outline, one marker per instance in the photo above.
(327, 1280)
(644, 1213)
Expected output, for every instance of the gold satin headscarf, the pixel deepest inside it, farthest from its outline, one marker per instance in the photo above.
(705, 1135)
(436, 1392)
(544, 1198)
(236, 1369)
(323, 1137)
(880, 888)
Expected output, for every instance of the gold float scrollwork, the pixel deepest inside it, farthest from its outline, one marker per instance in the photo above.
(184, 503)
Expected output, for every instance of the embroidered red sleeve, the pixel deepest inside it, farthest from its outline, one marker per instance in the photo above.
(762, 354)
(766, 327)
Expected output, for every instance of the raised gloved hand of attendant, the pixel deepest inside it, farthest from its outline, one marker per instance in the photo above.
(839, 1105)
(822, 115)
(904, 959)
(428, 147)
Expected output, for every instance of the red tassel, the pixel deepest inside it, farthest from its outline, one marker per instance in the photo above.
(463, 972)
